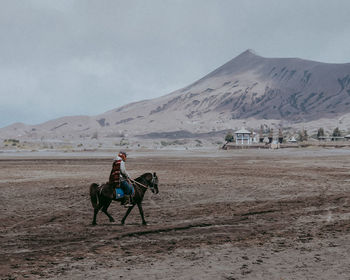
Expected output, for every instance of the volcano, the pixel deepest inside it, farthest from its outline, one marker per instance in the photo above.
(249, 89)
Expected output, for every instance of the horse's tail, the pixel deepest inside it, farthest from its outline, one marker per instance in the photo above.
(94, 194)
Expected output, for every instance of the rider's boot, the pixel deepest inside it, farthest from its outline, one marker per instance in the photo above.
(127, 202)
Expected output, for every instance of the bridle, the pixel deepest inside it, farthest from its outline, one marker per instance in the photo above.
(153, 182)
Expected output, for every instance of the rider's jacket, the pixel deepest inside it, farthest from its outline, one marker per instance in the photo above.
(118, 172)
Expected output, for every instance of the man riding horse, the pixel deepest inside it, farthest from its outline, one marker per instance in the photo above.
(119, 178)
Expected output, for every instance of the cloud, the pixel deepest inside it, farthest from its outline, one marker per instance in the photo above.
(69, 57)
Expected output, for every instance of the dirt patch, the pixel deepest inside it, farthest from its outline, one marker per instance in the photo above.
(244, 215)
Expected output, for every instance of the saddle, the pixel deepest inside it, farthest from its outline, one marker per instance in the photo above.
(118, 193)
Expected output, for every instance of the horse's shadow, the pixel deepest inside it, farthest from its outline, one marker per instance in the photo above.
(121, 225)
(116, 225)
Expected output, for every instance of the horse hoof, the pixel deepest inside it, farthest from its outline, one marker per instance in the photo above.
(111, 220)
(93, 224)
(122, 223)
(144, 224)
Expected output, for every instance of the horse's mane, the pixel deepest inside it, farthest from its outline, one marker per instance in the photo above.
(142, 177)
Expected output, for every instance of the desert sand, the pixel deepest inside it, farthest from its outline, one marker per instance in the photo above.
(238, 214)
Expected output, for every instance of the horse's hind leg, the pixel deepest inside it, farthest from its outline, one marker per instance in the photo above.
(126, 214)
(96, 209)
(104, 210)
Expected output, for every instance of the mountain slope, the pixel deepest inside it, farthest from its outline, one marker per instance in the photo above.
(249, 88)
(264, 88)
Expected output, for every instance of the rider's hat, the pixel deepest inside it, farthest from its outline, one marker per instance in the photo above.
(122, 154)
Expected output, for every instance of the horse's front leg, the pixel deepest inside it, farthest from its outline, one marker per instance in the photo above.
(127, 213)
(139, 205)
(104, 210)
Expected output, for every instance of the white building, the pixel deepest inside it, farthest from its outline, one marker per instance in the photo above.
(292, 140)
(243, 137)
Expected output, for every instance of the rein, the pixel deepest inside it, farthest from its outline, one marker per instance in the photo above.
(142, 185)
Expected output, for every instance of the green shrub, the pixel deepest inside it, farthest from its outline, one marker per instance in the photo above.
(229, 137)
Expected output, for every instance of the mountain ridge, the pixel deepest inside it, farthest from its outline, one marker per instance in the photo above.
(249, 89)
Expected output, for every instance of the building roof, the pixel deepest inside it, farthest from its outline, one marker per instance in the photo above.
(347, 136)
(242, 130)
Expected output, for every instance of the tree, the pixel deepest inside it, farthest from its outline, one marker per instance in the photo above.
(270, 135)
(229, 137)
(280, 136)
(300, 135)
(320, 133)
(336, 132)
(303, 136)
(261, 134)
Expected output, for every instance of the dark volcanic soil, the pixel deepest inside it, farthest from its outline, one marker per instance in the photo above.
(233, 215)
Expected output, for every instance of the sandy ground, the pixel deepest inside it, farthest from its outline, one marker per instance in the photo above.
(247, 214)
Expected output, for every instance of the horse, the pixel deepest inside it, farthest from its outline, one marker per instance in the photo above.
(102, 195)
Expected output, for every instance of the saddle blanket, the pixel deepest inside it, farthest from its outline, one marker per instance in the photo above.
(119, 193)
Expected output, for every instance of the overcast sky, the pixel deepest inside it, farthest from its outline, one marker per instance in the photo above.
(81, 57)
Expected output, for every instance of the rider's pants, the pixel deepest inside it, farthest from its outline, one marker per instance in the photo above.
(126, 187)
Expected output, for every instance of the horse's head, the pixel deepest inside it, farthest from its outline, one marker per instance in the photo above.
(151, 180)
(154, 183)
